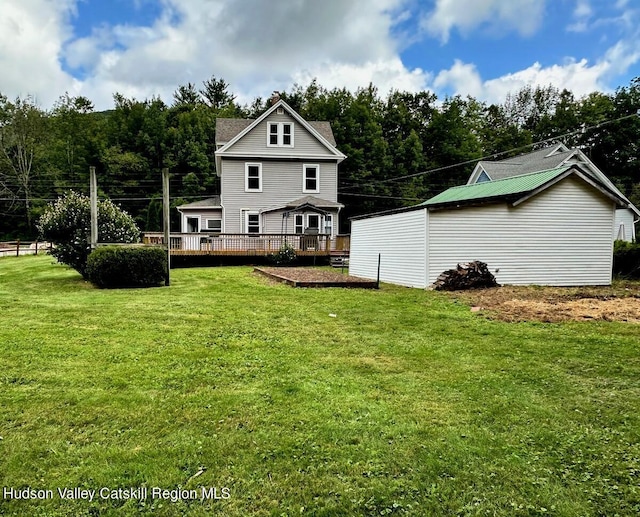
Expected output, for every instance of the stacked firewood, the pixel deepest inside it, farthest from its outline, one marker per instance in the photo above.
(469, 275)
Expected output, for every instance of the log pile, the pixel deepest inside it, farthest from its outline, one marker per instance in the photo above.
(469, 275)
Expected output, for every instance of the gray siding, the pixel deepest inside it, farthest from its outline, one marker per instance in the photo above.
(281, 183)
(255, 142)
(203, 215)
(401, 241)
(559, 237)
(625, 217)
(272, 222)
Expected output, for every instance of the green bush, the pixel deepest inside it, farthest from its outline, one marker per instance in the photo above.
(626, 259)
(127, 266)
(67, 224)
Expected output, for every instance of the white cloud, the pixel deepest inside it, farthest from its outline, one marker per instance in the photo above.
(581, 16)
(255, 46)
(523, 16)
(32, 34)
(578, 76)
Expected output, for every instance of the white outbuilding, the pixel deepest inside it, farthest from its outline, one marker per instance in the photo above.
(552, 227)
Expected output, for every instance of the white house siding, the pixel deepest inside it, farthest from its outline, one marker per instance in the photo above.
(401, 241)
(255, 141)
(281, 184)
(624, 225)
(560, 237)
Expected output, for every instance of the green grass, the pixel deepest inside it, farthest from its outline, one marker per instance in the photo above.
(405, 403)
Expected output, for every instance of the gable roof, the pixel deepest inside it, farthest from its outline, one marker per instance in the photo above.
(516, 189)
(313, 201)
(228, 128)
(316, 133)
(550, 157)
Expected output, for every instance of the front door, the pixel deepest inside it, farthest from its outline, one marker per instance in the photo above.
(193, 225)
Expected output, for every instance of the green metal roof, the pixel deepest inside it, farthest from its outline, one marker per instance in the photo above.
(496, 189)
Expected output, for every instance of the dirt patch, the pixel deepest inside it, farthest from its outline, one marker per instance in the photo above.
(314, 277)
(621, 302)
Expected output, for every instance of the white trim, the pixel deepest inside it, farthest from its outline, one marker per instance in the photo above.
(319, 221)
(279, 134)
(186, 223)
(208, 219)
(245, 220)
(330, 224)
(306, 166)
(280, 104)
(246, 176)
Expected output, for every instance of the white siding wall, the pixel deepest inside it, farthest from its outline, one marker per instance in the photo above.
(625, 217)
(281, 183)
(401, 239)
(559, 237)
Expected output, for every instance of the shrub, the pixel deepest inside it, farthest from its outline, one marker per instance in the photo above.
(67, 224)
(286, 255)
(626, 259)
(127, 266)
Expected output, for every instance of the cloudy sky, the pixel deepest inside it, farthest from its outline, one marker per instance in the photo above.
(485, 48)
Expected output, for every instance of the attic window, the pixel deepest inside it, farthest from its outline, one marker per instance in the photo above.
(483, 177)
(280, 134)
(280, 111)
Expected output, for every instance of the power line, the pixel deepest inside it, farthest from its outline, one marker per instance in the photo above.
(494, 155)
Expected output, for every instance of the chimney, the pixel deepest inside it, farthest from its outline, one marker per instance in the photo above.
(275, 97)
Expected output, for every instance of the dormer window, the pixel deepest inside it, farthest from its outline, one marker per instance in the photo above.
(280, 134)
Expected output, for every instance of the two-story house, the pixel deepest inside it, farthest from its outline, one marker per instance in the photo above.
(278, 175)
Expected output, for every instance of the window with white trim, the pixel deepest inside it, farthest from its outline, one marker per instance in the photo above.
(252, 222)
(313, 222)
(298, 223)
(328, 224)
(280, 134)
(253, 177)
(214, 225)
(310, 178)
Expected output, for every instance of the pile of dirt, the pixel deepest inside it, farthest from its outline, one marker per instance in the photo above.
(620, 302)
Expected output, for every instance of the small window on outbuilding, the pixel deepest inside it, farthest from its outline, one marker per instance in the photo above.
(483, 177)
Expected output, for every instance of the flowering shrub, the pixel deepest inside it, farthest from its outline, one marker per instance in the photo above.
(67, 223)
(286, 255)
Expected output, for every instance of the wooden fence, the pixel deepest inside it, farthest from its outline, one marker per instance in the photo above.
(18, 248)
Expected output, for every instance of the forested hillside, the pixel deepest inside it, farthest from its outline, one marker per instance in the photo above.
(402, 147)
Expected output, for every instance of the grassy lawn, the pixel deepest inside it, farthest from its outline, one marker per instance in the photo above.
(404, 403)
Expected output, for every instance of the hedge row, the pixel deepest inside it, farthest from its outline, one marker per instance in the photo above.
(127, 266)
(626, 259)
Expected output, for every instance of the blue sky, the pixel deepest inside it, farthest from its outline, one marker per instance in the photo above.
(483, 48)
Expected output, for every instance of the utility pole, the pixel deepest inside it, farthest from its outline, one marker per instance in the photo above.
(165, 221)
(93, 191)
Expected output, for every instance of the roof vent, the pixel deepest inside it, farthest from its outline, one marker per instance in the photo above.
(280, 111)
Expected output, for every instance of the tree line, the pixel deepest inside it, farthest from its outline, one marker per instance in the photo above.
(402, 147)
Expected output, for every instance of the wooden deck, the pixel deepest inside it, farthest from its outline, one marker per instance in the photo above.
(246, 245)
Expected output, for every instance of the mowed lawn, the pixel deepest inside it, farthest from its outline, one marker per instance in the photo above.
(306, 402)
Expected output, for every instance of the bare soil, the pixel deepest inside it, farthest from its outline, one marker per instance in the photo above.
(314, 277)
(620, 302)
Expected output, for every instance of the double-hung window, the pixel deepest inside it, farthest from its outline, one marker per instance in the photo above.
(311, 178)
(252, 222)
(299, 223)
(280, 134)
(253, 177)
